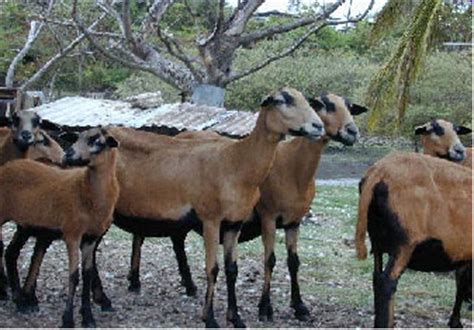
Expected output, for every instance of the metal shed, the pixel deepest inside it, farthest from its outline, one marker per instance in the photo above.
(79, 113)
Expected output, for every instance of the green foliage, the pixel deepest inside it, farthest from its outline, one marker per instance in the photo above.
(309, 71)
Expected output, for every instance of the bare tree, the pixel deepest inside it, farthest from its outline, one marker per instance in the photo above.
(201, 68)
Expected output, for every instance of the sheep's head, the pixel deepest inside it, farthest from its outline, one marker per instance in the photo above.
(290, 113)
(336, 113)
(87, 146)
(46, 149)
(440, 139)
(25, 126)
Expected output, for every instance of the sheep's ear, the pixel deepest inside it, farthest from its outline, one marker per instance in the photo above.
(356, 109)
(49, 126)
(70, 137)
(419, 130)
(269, 100)
(316, 104)
(461, 130)
(111, 142)
(5, 121)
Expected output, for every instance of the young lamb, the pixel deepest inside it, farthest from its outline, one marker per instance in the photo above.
(73, 204)
(169, 184)
(418, 210)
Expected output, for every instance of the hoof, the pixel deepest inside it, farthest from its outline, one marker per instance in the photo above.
(88, 323)
(134, 287)
(107, 308)
(301, 312)
(212, 323)
(454, 323)
(265, 312)
(191, 291)
(67, 323)
(26, 309)
(238, 323)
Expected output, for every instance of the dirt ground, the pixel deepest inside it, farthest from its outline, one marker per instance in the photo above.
(162, 302)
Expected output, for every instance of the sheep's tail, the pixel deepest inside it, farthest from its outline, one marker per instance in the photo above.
(366, 187)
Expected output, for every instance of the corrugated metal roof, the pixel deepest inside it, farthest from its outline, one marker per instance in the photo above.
(80, 113)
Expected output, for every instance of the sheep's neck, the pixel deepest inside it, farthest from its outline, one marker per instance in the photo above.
(9, 150)
(254, 154)
(101, 177)
(307, 155)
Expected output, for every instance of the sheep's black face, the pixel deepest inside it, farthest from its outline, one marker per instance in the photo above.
(88, 145)
(25, 126)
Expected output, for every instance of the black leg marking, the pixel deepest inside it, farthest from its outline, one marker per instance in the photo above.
(134, 274)
(209, 318)
(68, 316)
(186, 277)
(98, 294)
(88, 246)
(301, 311)
(384, 289)
(11, 258)
(265, 309)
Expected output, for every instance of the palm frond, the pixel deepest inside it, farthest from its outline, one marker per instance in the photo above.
(390, 87)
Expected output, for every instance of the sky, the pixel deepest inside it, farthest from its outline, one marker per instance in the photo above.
(358, 6)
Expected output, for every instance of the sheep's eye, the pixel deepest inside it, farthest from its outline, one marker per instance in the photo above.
(16, 121)
(93, 139)
(35, 122)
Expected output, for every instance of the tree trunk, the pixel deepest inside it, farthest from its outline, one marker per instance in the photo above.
(208, 95)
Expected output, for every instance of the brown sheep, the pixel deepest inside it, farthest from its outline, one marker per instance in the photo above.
(160, 190)
(418, 210)
(288, 190)
(73, 204)
(439, 139)
(39, 146)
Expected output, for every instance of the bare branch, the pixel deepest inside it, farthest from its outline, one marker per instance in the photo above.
(278, 29)
(314, 29)
(242, 15)
(33, 34)
(286, 52)
(127, 26)
(154, 62)
(179, 53)
(108, 9)
(155, 14)
(52, 61)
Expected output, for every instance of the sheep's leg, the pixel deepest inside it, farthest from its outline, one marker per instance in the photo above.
(231, 237)
(385, 286)
(134, 274)
(186, 277)
(3, 277)
(211, 243)
(98, 294)
(29, 287)
(291, 239)
(11, 259)
(88, 246)
(73, 255)
(463, 279)
(265, 309)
